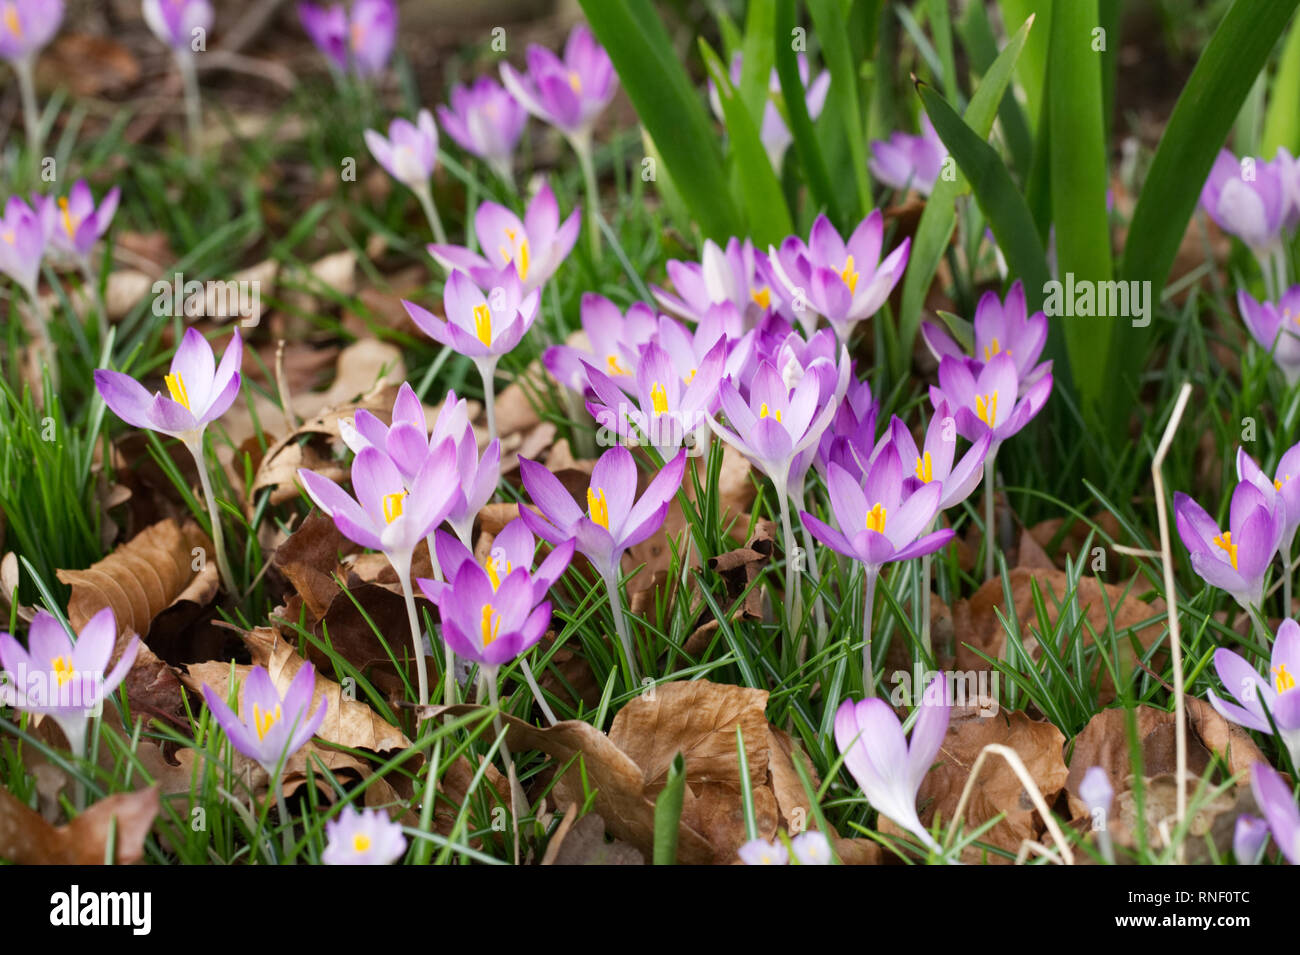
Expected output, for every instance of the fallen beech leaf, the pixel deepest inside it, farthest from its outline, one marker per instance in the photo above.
(145, 576)
(307, 560)
(1232, 743)
(583, 843)
(91, 65)
(27, 839)
(1216, 817)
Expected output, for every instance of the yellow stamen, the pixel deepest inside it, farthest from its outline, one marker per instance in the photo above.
(762, 297)
(993, 349)
(358, 35)
(263, 720)
(598, 507)
(924, 468)
(69, 226)
(521, 263)
(483, 324)
(659, 398)
(12, 21)
(393, 506)
(176, 385)
(849, 276)
(575, 81)
(763, 412)
(10, 237)
(1224, 541)
(1282, 679)
(63, 671)
(986, 407)
(876, 519)
(691, 377)
(491, 628)
(490, 565)
(614, 367)
(360, 842)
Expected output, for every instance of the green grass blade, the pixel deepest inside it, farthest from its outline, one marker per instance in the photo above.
(806, 145)
(1282, 120)
(842, 100)
(1032, 69)
(668, 813)
(757, 56)
(982, 49)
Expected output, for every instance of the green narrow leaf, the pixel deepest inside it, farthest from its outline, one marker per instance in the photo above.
(669, 107)
(940, 215)
(757, 57)
(1032, 71)
(1282, 120)
(982, 49)
(941, 27)
(668, 813)
(806, 145)
(766, 213)
(842, 100)
(1002, 203)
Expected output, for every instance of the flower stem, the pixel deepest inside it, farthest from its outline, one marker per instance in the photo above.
(868, 606)
(421, 669)
(218, 538)
(583, 149)
(793, 601)
(74, 731)
(620, 626)
(490, 675)
(193, 105)
(925, 600)
(31, 112)
(488, 373)
(1286, 582)
(431, 213)
(42, 320)
(286, 821)
(815, 573)
(990, 536)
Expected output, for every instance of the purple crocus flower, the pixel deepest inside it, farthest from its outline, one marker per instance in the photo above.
(737, 274)
(1277, 692)
(774, 133)
(199, 390)
(485, 121)
(1249, 837)
(1276, 327)
(26, 26)
(888, 769)
(362, 41)
(514, 548)
(1235, 560)
(988, 398)
(23, 234)
(1096, 792)
(78, 223)
(614, 340)
(1279, 806)
(762, 852)
(566, 93)
(935, 461)
(1249, 200)
(844, 282)
(1000, 328)
(363, 838)
(410, 152)
(851, 436)
(1283, 484)
(63, 680)
(904, 161)
(270, 727)
(533, 249)
(176, 22)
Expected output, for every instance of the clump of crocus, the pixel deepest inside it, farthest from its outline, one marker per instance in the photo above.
(888, 769)
(26, 26)
(1259, 697)
(904, 161)
(532, 249)
(615, 518)
(410, 154)
(1276, 326)
(183, 26)
(879, 522)
(65, 680)
(614, 340)
(773, 132)
(1249, 837)
(737, 274)
(1000, 327)
(361, 41)
(1252, 199)
(569, 94)
(368, 837)
(393, 514)
(482, 328)
(844, 282)
(1235, 560)
(1286, 489)
(1274, 798)
(485, 121)
(198, 392)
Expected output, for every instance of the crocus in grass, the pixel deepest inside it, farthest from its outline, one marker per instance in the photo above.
(65, 680)
(199, 390)
(1276, 326)
(1251, 200)
(78, 222)
(481, 327)
(614, 340)
(905, 161)
(774, 133)
(1285, 489)
(811, 848)
(532, 249)
(569, 94)
(179, 23)
(615, 518)
(888, 769)
(23, 234)
(1001, 327)
(880, 521)
(393, 514)
(270, 727)
(736, 273)
(369, 837)
(485, 121)
(1249, 837)
(1237, 559)
(1097, 794)
(26, 26)
(409, 154)
(762, 852)
(936, 460)
(1279, 807)
(845, 283)
(1276, 691)
(361, 41)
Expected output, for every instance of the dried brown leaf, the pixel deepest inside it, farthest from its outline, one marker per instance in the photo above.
(27, 839)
